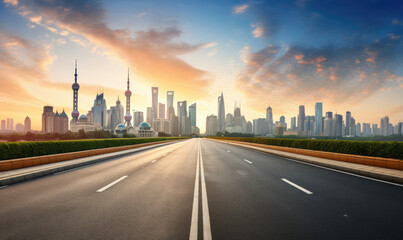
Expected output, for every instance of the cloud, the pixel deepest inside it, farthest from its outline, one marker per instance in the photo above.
(298, 73)
(241, 8)
(154, 54)
(258, 31)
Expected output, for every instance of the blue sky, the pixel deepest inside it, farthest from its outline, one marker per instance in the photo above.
(346, 54)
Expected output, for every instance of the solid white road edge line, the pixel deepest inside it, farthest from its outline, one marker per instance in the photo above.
(195, 208)
(206, 215)
(296, 186)
(153, 161)
(111, 184)
(246, 160)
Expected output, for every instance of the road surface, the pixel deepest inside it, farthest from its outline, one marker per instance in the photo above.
(200, 189)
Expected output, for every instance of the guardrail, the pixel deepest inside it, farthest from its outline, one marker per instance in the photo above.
(365, 160)
(6, 165)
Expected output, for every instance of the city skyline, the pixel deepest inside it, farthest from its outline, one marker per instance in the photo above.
(349, 68)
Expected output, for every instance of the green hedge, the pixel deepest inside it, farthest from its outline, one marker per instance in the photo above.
(13, 150)
(364, 148)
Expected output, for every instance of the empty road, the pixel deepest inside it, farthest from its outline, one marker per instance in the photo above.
(200, 189)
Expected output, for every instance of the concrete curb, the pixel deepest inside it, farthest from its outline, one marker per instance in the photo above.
(51, 170)
(363, 170)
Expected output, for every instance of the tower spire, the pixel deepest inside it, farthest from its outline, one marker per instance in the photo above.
(75, 73)
(128, 94)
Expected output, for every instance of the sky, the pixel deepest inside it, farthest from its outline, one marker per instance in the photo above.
(346, 54)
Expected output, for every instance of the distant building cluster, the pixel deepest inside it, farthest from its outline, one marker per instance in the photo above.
(330, 124)
(116, 120)
(232, 123)
(7, 126)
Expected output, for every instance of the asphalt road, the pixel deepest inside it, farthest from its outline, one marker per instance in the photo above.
(201, 189)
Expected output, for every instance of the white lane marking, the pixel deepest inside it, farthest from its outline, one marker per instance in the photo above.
(246, 160)
(153, 161)
(339, 171)
(228, 151)
(195, 208)
(3, 186)
(111, 184)
(206, 215)
(296, 186)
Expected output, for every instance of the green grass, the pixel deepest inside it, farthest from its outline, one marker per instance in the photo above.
(364, 148)
(14, 150)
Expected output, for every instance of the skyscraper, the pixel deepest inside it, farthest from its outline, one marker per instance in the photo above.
(154, 92)
(348, 120)
(48, 119)
(116, 116)
(221, 113)
(3, 125)
(99, 111)
(192, 114)
(293, 123)
(75, 114)
(170, 104)
(182, 118)
(301, 118)
(328, 125)
(128, 94)
(138, 118)
(338, 125)
(161, 111)
(149, 115)
(27, 124)
(318, 118)
(385, 126)
(269, 120)
(211, 125)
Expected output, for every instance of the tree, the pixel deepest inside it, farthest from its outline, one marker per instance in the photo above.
(81, 134)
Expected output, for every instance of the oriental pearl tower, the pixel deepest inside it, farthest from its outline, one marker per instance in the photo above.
(75, 114)
(128, 94)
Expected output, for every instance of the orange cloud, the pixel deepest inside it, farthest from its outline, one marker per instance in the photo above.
(241, 8)
(299, 57)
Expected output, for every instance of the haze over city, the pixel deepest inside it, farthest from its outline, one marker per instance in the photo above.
(279, 53)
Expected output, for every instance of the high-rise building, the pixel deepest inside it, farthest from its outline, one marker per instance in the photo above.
(182, 118)
(385, 126)
(99, 111)
(338, 125)
(11, 124)
(75, 114)
(138, 118)
(154, 92)
(358, 129)
(161, 111)
(400, 128)
(128, 94)
(366, 129)
(211, 125)
(328, 125)
(348, 121)
(260, 126)
(375, 129)
(8, 124)
(352, 126)
(269, 120)
(192, 115)
(3, 125)
(48, 119)
(149, 115)
(116, 116)
(221, 113)
(162, 125)
(301, 118)
(229, 120)
(318, 118)
(27, 124)
(293, 123)
(170, 103)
